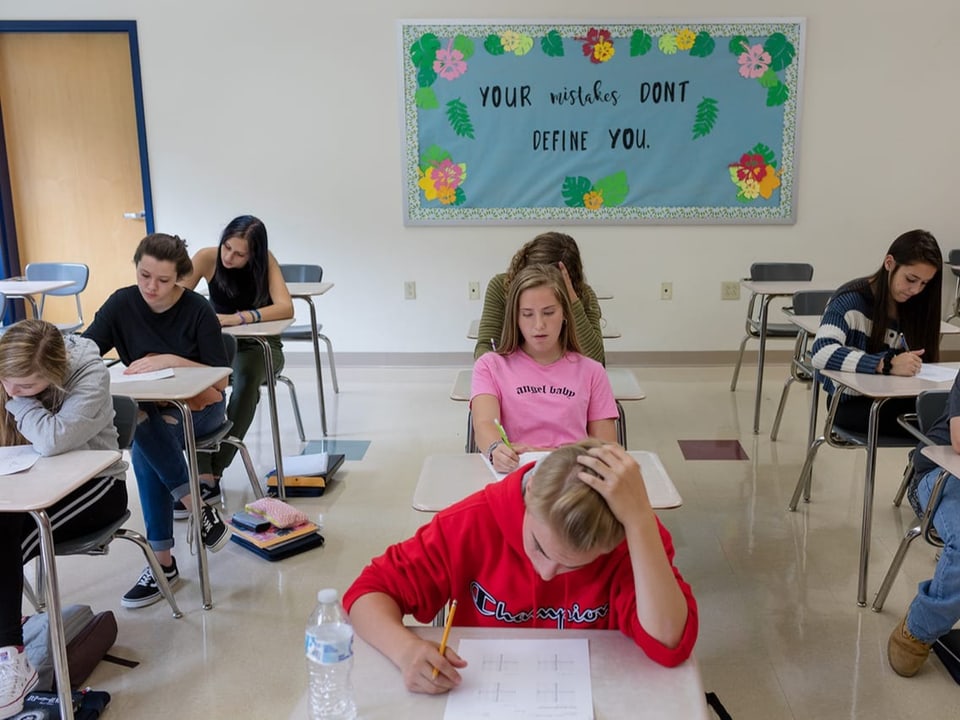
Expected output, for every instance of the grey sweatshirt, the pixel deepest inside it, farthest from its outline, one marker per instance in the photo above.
(85, 420)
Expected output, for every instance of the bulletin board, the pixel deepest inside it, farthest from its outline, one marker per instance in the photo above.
(647, 122)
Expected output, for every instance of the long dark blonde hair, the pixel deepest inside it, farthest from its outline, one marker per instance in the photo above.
(534, 276)
(31, 347)
(549, 248)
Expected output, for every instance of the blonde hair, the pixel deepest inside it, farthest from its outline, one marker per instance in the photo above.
(31, 347)
(549, 248)
(534, 276)
(576, 512)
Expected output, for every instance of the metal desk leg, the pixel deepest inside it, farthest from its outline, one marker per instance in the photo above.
(274, 423)
(316, 360)
(193, 471)
(764, 311)
(868, 482)
(58, 641)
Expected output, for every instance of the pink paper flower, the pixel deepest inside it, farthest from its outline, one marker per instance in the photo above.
(449, 63)
(754, 62)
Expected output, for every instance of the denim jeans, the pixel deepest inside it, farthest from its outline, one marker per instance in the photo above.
(936, 608)
(159, 464)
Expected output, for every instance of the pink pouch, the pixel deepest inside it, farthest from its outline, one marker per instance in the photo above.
(277, 512)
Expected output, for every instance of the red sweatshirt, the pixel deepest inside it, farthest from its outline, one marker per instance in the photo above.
(473, 552)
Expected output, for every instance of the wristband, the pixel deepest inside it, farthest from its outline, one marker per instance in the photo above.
(243, 320)
(256, 314)
(493, 446)
(888, 362)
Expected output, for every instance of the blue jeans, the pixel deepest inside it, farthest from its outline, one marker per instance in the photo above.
(159, 464)
(936, 608)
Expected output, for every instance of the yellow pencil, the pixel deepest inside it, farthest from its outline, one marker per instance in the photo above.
(446, 634)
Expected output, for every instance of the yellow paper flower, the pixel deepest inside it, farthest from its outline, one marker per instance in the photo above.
(510, 39)
(750, 188)
(770, 182)
(603, 51)
(593, 200)
(427, 185)
(446, 194)
(685, 39)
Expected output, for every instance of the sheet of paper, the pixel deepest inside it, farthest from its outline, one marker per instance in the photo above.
(312, 464)
(15, 458)
(524, 459)
(517, 679)
(936, 373)
(117, 376)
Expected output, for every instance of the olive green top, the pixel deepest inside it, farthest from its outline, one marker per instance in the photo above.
(586, 316)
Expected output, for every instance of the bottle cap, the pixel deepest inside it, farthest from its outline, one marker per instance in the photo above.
(328, 595)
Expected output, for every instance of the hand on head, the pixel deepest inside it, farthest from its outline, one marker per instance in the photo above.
(567, 281)
(620, 481)
(418, 665)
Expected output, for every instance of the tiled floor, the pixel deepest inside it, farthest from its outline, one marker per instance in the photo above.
(781, 635)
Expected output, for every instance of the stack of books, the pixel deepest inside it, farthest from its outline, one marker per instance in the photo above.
(277, 543)
(305, 475)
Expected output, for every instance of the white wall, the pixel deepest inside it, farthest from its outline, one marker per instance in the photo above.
(289, 111)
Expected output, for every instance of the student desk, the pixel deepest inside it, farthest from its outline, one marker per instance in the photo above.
(624, 680)
(880, 388)
(446, 479)
(260, 332)
(185, 383)
(609, 331)
(768, 290)
(622, 381)
(17, 289)
(33, 491)
(306, 291)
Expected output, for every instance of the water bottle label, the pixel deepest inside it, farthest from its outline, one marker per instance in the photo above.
(328, 653)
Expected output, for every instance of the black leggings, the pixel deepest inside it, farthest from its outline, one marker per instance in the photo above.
(854, 414)
(88, 508)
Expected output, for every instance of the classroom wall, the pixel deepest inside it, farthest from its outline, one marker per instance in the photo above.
(290, 111)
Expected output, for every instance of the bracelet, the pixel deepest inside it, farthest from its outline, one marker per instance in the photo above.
(243, 320)
(887, 362)
(256, 314)
(493, 446)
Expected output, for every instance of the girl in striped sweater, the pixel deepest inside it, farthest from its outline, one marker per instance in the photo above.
(886, 323)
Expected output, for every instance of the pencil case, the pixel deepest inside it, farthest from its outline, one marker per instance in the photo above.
(277, 512)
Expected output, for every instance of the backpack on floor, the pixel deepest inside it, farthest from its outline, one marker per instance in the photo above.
(947, 649)
(87, 705)
(88, 638)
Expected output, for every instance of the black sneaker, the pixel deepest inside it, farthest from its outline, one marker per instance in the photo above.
(146, 591)
(213, 531)
(208, 493)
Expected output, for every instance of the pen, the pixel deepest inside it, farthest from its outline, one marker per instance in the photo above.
(902, 343)
(446, 634)
(503, 433)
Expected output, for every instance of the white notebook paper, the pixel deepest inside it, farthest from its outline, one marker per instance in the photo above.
(117, 376)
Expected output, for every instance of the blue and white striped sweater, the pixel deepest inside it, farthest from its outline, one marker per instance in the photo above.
(841, 342)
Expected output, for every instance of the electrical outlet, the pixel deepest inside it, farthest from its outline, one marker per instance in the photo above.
(473, 290)
(666, 291)
(409, 290)
(729, 290)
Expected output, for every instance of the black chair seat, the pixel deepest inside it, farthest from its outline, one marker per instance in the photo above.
(216, 437)
(94, 543)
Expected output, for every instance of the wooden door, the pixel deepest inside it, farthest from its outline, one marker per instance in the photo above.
(71, 134)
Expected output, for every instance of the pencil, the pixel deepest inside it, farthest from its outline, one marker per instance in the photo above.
(446, 634)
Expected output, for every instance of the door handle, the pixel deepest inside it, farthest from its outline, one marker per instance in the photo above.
(135, 215)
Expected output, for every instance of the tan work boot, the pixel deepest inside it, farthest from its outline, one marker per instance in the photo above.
(905, 653)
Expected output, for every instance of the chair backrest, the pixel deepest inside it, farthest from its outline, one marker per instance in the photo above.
(772, 272)
(953, 258)
(811, 302)
(931, 405)
(230, 346)
(124, 419)
(76, 272)
(301, 273)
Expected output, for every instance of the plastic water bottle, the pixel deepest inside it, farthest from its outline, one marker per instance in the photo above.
(329, 648)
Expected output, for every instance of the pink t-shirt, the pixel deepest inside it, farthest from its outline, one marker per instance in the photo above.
(545, 405)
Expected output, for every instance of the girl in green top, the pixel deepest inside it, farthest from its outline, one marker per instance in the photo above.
(549, 248)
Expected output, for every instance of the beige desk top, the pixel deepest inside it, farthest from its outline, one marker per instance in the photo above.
(260, 329)
(446, 479)
(185, 383)
(22, 288)
(811, 323)
(51, 479)
(305, 289)
(624, 680)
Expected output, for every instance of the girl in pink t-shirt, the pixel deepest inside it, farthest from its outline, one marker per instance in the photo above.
(537, 384)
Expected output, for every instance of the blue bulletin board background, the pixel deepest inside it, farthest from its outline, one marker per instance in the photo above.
(660, 122)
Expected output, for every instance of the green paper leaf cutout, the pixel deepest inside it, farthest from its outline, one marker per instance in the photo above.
(493, 45)
(524, 45)
(781, 51)
(769, 79)
(459, 118)
(668, 44)
(434, 155)
(574, 188)
(777, 95)
(703, 45)
(424, 51)
(706, 117)
(737, 43)
(464, 45)
(427, 99)
(614, 188)
(743, 198)
(640, 43)
(460, 197)
(763, 151)
(426, 77)
(552, 44)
